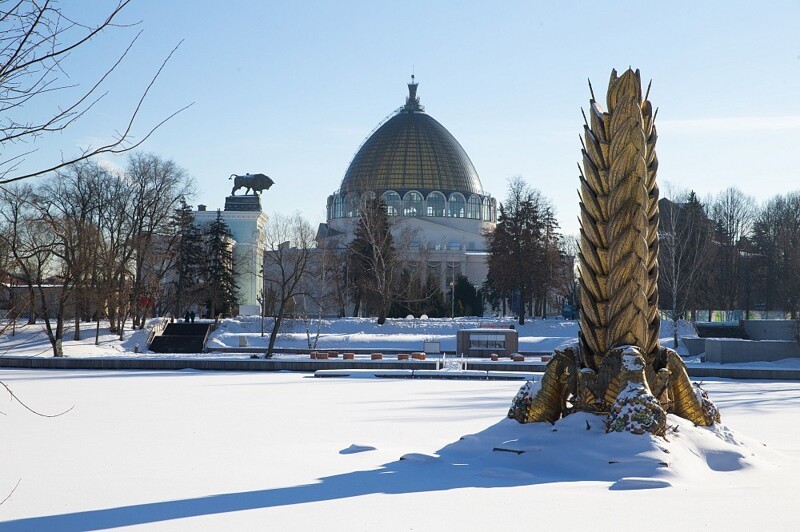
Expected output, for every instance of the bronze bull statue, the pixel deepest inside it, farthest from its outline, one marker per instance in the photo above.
(254, 182)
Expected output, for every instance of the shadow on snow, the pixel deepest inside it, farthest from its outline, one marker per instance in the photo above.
(507, 454)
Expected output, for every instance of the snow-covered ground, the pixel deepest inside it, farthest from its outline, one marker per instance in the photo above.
(340, 334)
(535, 335)
(207, 450)
(252, 451)
(334, 334)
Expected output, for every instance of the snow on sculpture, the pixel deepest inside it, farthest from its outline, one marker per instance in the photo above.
(618, 367)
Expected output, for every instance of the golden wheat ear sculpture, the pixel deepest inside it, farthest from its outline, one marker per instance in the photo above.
(618, 346)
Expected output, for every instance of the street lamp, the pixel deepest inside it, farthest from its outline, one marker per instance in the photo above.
(261, 297)
(261, 300)
(453, 299)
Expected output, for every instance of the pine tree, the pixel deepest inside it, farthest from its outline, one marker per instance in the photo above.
(520, 246)
(189, 257)
(466, 297)
(220, 284)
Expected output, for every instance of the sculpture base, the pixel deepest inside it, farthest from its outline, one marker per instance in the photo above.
(243, 203)
(635, 391)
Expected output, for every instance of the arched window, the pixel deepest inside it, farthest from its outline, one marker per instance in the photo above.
(435, 205)
(494, 210)
(474, 208)
(351, 205)
(487, 210)
(412, 204)
(393, 202)
(367, 196)
(457, 206)
(338, 211)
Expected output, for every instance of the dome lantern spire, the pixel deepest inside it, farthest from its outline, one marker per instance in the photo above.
(412, 102)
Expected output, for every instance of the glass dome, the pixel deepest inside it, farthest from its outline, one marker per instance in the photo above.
(417, 167)
(412, 151)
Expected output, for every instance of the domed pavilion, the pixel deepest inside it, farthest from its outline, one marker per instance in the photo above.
(429, 185)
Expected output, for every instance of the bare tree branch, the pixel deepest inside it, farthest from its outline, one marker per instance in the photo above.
(30, 62)
(29, 409)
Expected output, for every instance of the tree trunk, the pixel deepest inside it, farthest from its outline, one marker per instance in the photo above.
(31, 305)
(276, 327)
(382, 314)
(675, 332)
(77, 334)
(112, 318)
(121, 325)
(58, 349)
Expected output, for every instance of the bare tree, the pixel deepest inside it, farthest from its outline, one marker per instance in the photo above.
(685, 242)
(332, 270)
(24, 237)
(289, 241)
(373, 259)
(157, 186)
(776, 237)
(68, 206)
(35, 97)
(566, 278)
(733, 213)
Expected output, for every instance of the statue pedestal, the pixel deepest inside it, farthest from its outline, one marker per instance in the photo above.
(243, 203)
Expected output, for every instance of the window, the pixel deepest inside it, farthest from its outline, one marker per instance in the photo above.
(457, 207)
(412, 204)
(474, 208)
(392, 201)
(435, 205)
(338, 210)
(487, 341)
(487, 209)
(351, 206)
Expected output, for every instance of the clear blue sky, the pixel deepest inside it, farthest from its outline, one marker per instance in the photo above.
(291, 89)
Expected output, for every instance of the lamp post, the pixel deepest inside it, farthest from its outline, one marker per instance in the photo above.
(260, 299)
(452, 285)
(452, 299)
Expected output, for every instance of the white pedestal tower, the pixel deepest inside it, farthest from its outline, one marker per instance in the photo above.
(247, 223)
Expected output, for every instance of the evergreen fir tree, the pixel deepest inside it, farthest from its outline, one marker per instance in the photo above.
(189, 257)
(523, 248)
(220, 284)
(466, 298)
